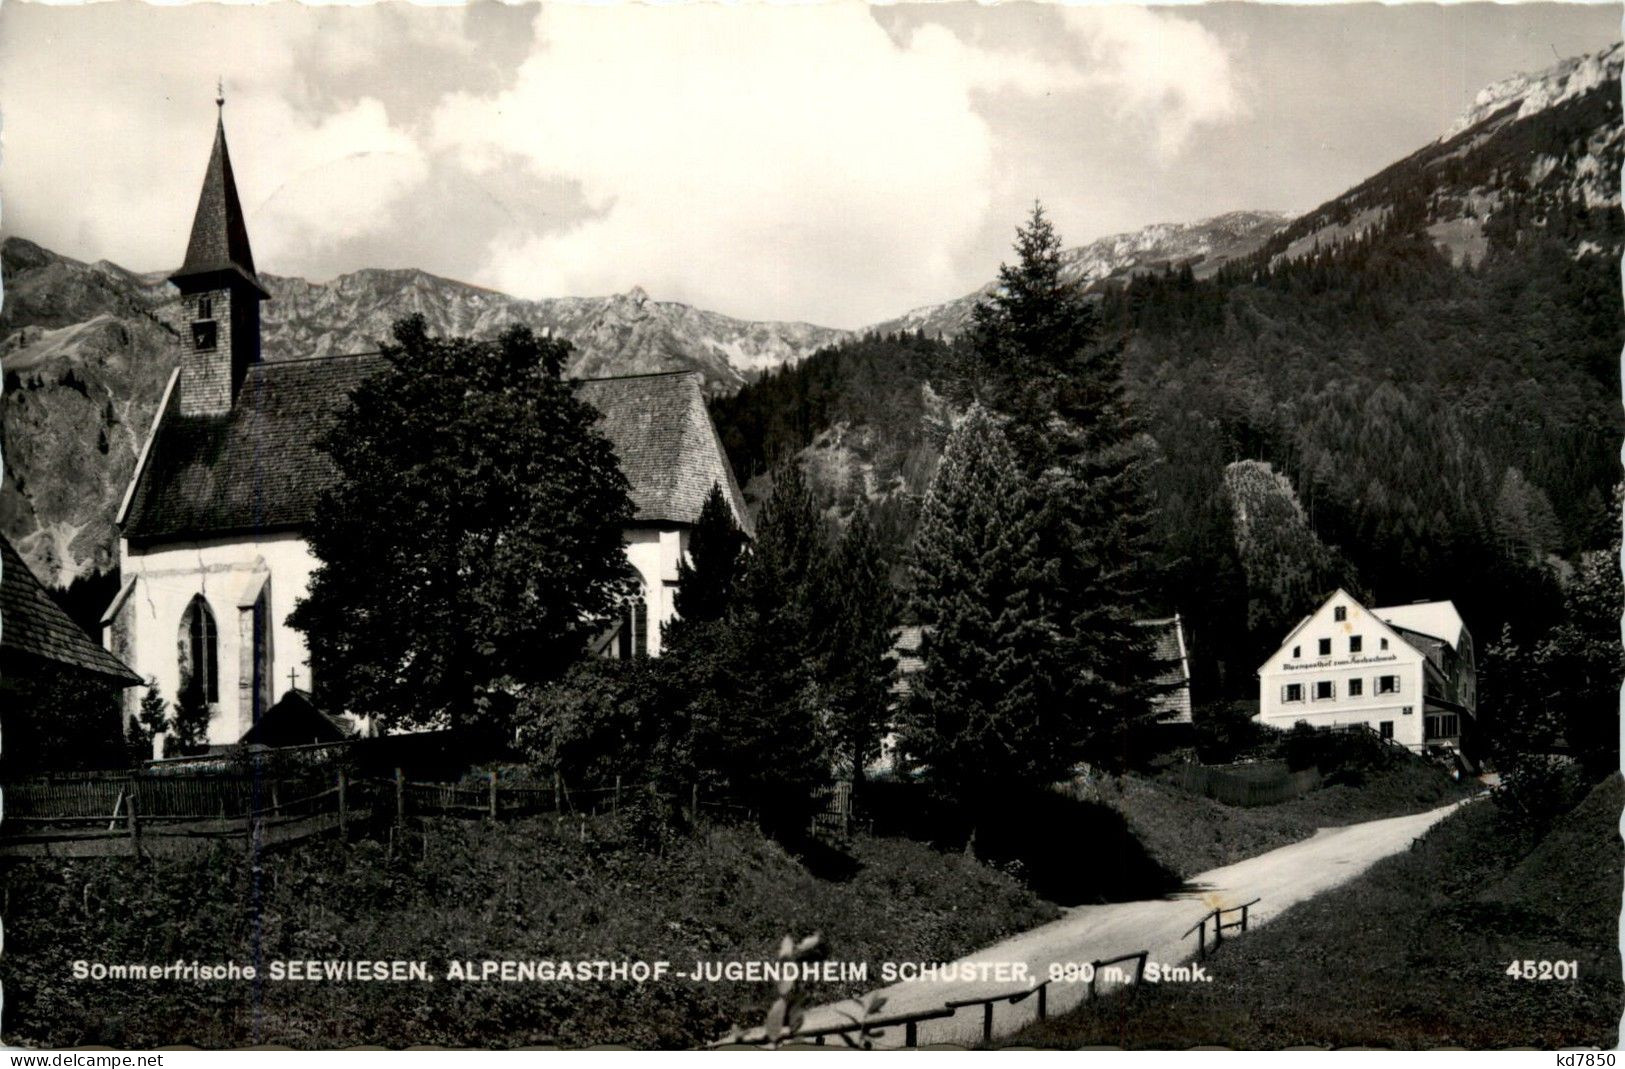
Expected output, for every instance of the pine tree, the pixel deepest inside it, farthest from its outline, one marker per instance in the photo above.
(855, 617)
(715, 547)
(1036, 357)
(983, 712)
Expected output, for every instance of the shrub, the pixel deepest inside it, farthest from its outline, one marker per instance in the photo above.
(1345, 757)
(605, 718)
(1536, 789)
(1226, 731)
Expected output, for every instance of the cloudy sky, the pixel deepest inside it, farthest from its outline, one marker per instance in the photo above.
(835, 163)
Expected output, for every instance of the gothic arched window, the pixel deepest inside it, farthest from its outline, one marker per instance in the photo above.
(633, 637)
(200, 652)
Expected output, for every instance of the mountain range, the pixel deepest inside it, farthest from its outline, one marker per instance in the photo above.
(86, 347)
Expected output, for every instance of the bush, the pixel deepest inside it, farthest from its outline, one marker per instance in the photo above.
(1536, 789)
(605, 718)
(1227, 731)
(1345, 757)
(1101, 859)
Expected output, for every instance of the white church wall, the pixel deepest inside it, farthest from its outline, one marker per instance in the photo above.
(167, 578)
(654, 552)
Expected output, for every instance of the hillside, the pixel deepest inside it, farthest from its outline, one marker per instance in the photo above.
(1414, 953)
(1438, 418)
(1203, 246)
(594, 889)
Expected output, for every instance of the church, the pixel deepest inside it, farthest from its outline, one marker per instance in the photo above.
(212, 550)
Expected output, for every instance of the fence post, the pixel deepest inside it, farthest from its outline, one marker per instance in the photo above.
(1139, 973)
(911, 1034)
(557, 807)
(1218, 928)
(400, 797)
(1043, 1001)
(134, 824)
(615, 806)
(987, 1022)
(1201, 939)
(493, 795)
(694, 801)
(1094, 973)
(1244, 917)
(344, 808)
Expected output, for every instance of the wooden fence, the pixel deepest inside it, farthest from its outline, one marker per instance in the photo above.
(862, 1032)
(1268, 786)
(133, 815)
(1220, 925)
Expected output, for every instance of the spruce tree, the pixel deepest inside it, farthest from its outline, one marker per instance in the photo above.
(856, 614)
(749, 679)
(705, 586)
(1035, 356)
(983, 712)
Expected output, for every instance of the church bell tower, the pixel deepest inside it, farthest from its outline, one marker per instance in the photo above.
(220, 293)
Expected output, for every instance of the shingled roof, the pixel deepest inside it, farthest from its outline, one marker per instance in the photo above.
(257, 468)
(33, 624)
(219, 235)
(254, 469)
(667, 445)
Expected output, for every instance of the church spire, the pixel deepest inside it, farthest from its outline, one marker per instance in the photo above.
(220, 293)
(219, 234)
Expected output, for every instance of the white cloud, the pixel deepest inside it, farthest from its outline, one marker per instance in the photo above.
(103, 156)
(767, 161)
(1157, 68)
(764, 161)
(340, 176)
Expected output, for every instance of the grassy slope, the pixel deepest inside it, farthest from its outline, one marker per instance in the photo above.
(1191, 834)
(527, 890)
(1411, 954)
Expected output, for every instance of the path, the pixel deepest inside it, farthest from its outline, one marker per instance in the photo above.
(1280, 878)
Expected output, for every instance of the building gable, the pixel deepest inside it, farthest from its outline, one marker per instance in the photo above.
(1302, 649)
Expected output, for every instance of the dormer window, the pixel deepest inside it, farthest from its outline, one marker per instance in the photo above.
(1384, 643)
(1340, 613)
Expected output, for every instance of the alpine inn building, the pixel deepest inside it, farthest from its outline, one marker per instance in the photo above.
(1406, 671)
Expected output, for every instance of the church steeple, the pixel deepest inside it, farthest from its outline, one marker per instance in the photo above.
(220, 335)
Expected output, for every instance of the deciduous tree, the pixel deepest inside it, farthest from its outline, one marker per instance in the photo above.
(471, 543)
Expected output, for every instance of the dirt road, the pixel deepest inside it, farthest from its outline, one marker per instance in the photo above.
(1279, 879)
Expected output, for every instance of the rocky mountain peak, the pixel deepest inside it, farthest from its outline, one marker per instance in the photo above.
(1533, 93)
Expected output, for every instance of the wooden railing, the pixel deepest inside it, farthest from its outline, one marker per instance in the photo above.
(1220, 925)
(861, 1031)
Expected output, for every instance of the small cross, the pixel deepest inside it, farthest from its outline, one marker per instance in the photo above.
(219, 92)
(293, 678)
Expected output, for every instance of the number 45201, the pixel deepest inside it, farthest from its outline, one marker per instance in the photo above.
(1529, 969)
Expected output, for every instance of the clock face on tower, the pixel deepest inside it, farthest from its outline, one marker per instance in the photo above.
(203, 334)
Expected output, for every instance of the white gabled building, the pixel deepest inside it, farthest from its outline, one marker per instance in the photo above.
(1408, 672)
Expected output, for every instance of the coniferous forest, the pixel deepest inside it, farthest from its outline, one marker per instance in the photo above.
(1449, 429)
